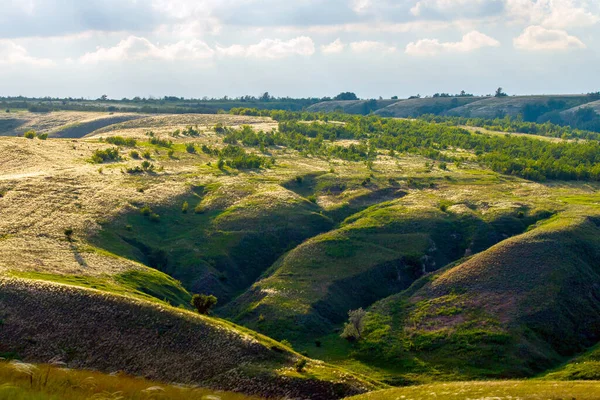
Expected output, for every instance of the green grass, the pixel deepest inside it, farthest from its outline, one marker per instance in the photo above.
(146, 283)
(525, 390)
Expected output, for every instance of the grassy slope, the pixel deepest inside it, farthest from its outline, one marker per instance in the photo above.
(513, 105)
(350, 106)
(526, 390)
(513, 310)
(415, 107)
(92, 329)
(23, 381)
(374, 254)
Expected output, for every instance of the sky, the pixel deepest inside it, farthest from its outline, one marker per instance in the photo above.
(297, 48)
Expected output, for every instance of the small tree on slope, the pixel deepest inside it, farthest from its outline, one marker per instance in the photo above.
(355, 326)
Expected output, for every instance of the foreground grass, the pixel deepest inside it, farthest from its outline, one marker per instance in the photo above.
(523, 390)
(21, 381)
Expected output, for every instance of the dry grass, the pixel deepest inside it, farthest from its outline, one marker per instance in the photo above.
(509, 390)
(22, 381)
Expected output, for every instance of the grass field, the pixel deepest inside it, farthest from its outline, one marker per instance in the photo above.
(529, 390)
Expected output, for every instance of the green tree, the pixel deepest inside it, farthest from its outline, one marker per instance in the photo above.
(203, 303)
(355, 326)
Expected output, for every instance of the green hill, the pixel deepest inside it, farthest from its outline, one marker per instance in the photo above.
(514, 310)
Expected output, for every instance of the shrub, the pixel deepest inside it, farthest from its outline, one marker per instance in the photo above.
(199, 209)
(147, 166)
(146, 211)
(102, 156)
(312, 198)
(287, 343)
(171, 153)
(299, 180)
(190, 148)
(121, 141)
(318, 343)
(69, 233)
(355, 326)
(185, 207)
(161, 142)
(300, 364)
(29, 134)
(221, 164)
(443, 166)
(147, 155)
(154, 217)
(134, 154)
(203, 303)
(43, 136)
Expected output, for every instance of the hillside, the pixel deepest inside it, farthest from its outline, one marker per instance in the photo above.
(415, 107)
(526, 390)
(468, 253)
(513, 310)
(559, 109)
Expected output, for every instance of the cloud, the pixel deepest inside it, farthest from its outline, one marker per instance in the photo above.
(456, 8)
(371, 46)
(470, 42)
(272, 48)
(139, 48)
(539, 38)
(14, 54)
(333, 48)
(559, 14)
(27, 18)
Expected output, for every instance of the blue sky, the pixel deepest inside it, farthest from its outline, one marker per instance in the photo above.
(196, 48)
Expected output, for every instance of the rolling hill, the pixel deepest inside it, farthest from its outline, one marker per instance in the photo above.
(466, 269)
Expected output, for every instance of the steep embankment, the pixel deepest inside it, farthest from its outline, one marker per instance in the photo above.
(516, 309)
(91, 329)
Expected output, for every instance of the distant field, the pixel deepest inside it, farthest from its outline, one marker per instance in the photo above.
(524, 390)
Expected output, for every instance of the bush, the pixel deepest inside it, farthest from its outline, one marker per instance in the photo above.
(171, 153)
(43, 136)
(146, 211)
(134, 154)
(121, 141)
(147, 155)
(161, 142)
(199, 209)
(147, 166)
(300, 364)
(185, 207)
(190, 148)
(154, 217)
(318, 343)
(203, 303)
(29, 134)
(102, 156)
(287, 343)
(69, 233)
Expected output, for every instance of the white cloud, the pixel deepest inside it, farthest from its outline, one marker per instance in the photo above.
(559, 14)
(539, 38)
(272, 48)
(335, 47)
(12, 54)
(371, 46)
(470, 42)
(138, 48)
(446, 6)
